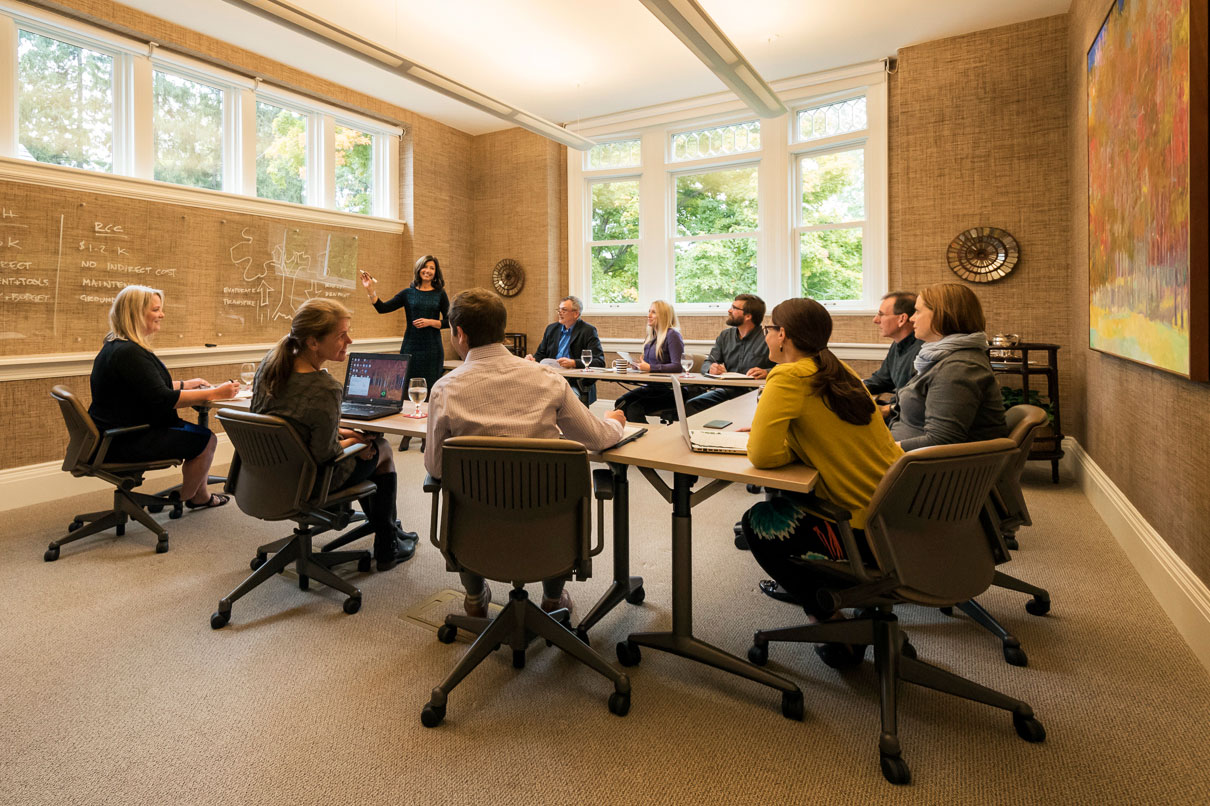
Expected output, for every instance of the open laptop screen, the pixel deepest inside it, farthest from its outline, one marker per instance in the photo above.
(375, 377)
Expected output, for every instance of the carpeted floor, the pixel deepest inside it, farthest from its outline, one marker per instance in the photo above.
(118, 692)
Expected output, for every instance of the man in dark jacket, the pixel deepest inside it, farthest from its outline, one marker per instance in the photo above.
(566, 340)
(894, 320)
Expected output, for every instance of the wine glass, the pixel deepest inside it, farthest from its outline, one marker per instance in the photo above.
(247, 374)
(418, 389)
(586, 358)
(686, 363)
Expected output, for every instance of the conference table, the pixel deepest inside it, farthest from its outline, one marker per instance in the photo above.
(603, 374)
(665, 449)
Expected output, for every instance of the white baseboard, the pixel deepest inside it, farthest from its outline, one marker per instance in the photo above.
(38, 484)
(1182, 595)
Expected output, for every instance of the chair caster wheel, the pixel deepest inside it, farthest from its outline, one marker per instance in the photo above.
(636, 596)
(949, 611)
(791, 705)
(1029, 729)
(51, 554)
(619, 704)
(219, 619)
(177, 511)
(431, 715)
(161, 547)
(755, 489)
(352, 604)
(258, 561)
(74, 525)
(741, 542)
(363, 565)
(304, 582)
(758, 654)
(895, 770)
(629, 654)
(1037, 606)
(1011, 543)
(446, 633)
(1015, 655)
(518, 658)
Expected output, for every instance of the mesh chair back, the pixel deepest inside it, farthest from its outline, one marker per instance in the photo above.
(82, 433)
(276, 471)
(1024, 421)
(516, 510)
(926, 523)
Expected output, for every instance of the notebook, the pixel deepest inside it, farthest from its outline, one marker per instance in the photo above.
(706, 441)
(374, 385)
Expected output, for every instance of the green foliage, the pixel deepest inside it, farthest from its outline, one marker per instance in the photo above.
(716, 203)
(833, 192)
(65, 106)
(354, 170)
(1013, 396)
(831, 264)
(281, 154)
(615, 217)
(188, 132)
(615, 274)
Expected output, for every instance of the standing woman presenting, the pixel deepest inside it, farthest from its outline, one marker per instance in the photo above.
(427, 309)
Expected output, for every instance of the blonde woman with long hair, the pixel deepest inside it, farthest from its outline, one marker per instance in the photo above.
(131, 386)
(662, 350)
(292, 383)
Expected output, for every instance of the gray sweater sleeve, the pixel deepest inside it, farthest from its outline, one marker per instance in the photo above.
(955, 393)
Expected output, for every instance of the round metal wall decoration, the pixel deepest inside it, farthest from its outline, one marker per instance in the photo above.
(508, 278)
(983, 254)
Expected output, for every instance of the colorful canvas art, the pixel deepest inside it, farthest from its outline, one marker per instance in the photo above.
(1139, 184)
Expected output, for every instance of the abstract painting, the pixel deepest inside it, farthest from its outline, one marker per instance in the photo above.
(1147, 296)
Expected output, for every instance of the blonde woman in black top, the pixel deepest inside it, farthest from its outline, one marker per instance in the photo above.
(130, 386)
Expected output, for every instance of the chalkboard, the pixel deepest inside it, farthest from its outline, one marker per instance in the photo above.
(228, 278)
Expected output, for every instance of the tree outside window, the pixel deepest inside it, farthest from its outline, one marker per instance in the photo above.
(354, 170)
(831, 224)
(717, 220)
(188, 125)
(614, 242)
(281, 154)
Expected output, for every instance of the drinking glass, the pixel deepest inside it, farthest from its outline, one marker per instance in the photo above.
(586, 357)
(418, 389)
(686, 363)
(247, 374)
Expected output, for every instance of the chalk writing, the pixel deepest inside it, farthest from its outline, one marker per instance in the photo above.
(38, 281)
(13, 296)
(19, 265)
(89, 282)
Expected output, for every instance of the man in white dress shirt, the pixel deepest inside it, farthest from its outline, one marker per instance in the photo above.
(495, 393)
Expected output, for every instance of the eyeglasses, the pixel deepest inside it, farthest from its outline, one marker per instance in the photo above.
(736, 308)
(770, 328)
(565, 310)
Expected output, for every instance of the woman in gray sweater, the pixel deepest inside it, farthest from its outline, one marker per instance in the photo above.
(954, 396)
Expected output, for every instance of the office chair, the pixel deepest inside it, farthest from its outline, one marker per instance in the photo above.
(272, 477)
(86, 456)
(1010, 512)
(519, 511)
(929, 530)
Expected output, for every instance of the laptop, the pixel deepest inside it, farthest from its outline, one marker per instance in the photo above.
(701, 441)
(374, 385)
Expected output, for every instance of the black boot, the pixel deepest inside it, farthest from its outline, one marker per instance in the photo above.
(389, 548)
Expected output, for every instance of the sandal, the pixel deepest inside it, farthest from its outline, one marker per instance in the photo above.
(215, 500)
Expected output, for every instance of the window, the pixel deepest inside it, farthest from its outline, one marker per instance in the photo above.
(724, 204)
(281, 153)
(102, 102)
(614, 245)
(354, 170)
(188, 131)
(717, 216)
(65, 106)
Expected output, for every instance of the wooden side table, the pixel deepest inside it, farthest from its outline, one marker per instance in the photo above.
(1017, 361)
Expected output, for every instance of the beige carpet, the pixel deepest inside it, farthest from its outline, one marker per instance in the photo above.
(116, 690)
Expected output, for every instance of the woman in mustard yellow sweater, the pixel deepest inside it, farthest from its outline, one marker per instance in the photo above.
(814, 409)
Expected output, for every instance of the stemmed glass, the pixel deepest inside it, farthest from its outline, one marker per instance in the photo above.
(418, 389)
(247, 374)
(586, 358)
(686, 363)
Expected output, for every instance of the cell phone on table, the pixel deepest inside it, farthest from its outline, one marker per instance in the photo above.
(717, 424)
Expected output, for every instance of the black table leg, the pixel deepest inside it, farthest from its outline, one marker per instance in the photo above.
(624, 586)
(681, 640)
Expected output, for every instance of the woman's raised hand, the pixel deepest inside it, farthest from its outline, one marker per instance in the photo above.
(368, 282)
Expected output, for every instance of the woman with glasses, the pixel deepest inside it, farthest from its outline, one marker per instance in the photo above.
(427, 309)
(815, 410)
(662, 352)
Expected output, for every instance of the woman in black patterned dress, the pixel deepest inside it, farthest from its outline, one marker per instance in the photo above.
(427, 309)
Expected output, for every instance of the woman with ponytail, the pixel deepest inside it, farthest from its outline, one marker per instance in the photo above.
(292, 384)
(815, 410)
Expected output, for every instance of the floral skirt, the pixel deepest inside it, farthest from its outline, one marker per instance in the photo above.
(784, 534)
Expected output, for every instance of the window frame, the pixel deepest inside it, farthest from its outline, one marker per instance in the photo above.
(778, 264)
(134, 64)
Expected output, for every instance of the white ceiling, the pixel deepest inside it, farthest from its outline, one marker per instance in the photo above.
(566, 60)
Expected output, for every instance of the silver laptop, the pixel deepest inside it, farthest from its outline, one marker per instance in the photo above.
(707, 441)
